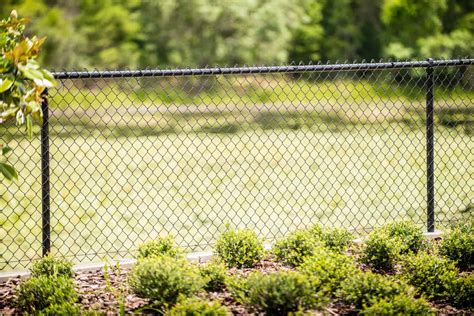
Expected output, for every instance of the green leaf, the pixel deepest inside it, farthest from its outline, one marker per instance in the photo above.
(6, 150)
(44, 83)
(8, 172)
(33, 64)
(5, 84)
(8, 113)
(48, 76)
(29, 126)
(31, 73)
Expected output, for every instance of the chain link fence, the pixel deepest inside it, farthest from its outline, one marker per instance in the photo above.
(125, 156)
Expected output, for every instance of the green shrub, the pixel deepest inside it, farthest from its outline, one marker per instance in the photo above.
(51, 266)
(93, 312)
(295, 247)
(237, 286)
(163, 279)
(384, 246)
(239, 248)
(327, 269)
(431, 246)
(380, 252)
(365, 287)
(461, 292)
(337, 239)
(62, 309)
(214, 274)
(410, 235)
(279, 293)
(458, 245)
(195, 306)
(158, 247)
(316, 231)
(401, 304)
(429, 274)
(38, 293)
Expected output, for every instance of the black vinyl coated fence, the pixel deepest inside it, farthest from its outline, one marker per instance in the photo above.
(125, 156)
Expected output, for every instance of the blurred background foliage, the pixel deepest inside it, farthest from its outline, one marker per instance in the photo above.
(154, 33)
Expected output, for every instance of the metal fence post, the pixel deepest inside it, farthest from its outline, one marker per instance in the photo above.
(430, 145)
(45, 180)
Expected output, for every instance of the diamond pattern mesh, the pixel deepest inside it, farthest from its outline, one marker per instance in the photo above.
(135, 157)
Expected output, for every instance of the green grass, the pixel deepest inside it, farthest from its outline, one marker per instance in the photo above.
(110, 194)
(122, 177)
(242, 90)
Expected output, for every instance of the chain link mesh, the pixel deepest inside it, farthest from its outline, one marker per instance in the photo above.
(135, 157)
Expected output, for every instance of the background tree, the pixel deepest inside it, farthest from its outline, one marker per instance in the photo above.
(341, 31)
(133, 33)
(307, 37)
(205, 32)
(112, 30)
(407, 21)
(370, 40)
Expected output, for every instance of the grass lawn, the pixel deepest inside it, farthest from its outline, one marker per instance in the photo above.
(109, 194)
(122, 175)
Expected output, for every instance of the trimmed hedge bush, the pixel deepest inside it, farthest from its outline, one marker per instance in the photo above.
(295, 247)
(410, 236)
(327, 269)
(316, 231)
(239, 248)
(39, 293)
(429, 274)
(158, 247)
(363, 288)
(214, 274)
(51, 266)
(461, 293)
(237, 286)
(401, 304)
(164, 279)
(380, 252)
(279, 293)
(458, 245)
(62, 309)
(196, 306)
(383, 247)
(337, 239)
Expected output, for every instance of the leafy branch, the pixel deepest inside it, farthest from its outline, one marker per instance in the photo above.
(22, 81)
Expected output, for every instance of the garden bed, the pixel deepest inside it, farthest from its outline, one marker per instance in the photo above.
(111, 291)
(94, 295)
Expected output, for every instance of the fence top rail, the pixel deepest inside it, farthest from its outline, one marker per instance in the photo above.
(260, 69)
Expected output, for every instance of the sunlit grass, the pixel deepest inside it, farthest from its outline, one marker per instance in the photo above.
(242, 90)
(134, 159)
(109, 194)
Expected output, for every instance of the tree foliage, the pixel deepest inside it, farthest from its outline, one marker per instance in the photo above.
(120, 33)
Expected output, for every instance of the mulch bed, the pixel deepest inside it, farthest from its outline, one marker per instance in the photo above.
(99, 293)
(96, 292)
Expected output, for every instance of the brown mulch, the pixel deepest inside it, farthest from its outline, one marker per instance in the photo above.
(265, 266)
(7, 296)
(96, 292)
(100, 293)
